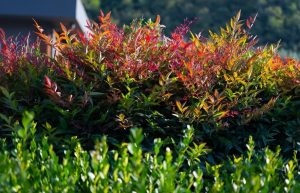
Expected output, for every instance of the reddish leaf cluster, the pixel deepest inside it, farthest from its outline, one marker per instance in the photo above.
(8, 54)
(17, 52)
(140, 51)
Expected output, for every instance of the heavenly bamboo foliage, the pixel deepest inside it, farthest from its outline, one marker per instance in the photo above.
(140, 51)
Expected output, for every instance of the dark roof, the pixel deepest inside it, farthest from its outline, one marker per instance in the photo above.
(66, 11)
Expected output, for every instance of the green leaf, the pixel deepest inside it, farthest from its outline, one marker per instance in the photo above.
(27, 119)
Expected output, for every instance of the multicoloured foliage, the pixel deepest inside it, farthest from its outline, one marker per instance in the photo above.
(113, 79)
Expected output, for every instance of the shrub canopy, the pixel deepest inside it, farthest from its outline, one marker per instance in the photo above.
(113, 79)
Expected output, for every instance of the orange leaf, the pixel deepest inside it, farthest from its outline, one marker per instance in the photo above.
(63, 27)
(157, 20)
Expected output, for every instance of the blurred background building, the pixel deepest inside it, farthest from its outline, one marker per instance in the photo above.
(16, 16)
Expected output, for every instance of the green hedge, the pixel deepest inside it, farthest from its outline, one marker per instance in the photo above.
(33, 166)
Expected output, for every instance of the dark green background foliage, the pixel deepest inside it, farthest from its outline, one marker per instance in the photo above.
(277, 19)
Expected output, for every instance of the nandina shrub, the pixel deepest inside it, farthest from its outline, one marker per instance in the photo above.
(113, 79)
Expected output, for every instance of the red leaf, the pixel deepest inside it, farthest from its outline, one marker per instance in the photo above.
(251, 19)
(248, 24)
(47, 82)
